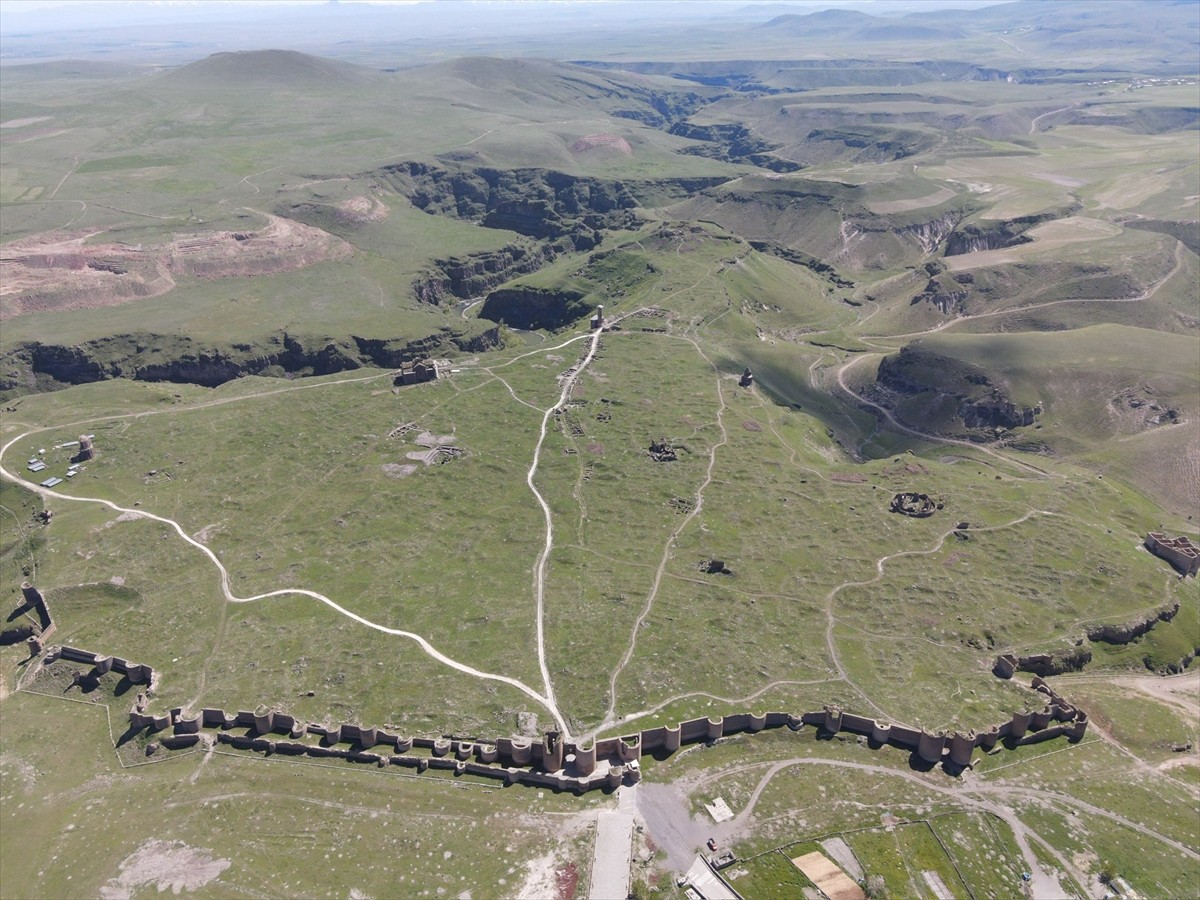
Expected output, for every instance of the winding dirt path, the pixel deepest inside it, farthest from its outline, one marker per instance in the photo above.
(226, 590)
(610, 713)
(924, 435)
(1034, 122)
(539, 569)
(832, 620)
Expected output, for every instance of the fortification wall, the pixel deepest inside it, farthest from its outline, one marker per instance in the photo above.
(137, 673)
(35, 632)
(551, 761)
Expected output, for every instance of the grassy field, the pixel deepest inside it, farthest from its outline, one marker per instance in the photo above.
(1037, 230)
(231, 825)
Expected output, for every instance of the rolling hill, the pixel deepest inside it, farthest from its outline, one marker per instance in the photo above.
(271, 68)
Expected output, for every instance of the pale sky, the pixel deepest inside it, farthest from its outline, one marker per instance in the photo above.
(31, 5)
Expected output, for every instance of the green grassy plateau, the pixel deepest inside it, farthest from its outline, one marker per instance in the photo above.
(973, 277)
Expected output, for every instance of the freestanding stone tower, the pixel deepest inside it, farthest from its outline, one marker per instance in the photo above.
(86, 449)
(747, 378)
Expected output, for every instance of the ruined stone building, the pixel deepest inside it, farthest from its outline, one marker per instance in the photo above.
(1179, 551)
(416, 372)
(86, 449)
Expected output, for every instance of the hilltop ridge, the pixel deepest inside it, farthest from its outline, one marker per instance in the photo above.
(282, 68)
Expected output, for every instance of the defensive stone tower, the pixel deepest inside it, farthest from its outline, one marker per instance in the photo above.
(747, 378)
(86, 449)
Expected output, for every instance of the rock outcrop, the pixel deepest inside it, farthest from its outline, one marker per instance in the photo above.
(180, 359)
(464, 277)
(944, 383)
(1127, 632)
(535, 202)
(531, 307)
(994, 412)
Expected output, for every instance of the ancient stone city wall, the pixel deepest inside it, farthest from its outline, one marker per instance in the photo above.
(550, 761)
(33, 630)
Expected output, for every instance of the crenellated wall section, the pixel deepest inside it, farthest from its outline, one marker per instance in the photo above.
(550, 761)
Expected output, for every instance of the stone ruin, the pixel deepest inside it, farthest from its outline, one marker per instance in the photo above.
(416, 372)
(714, 567)
(919, 506)
(1180, 552)
(661, 451)
(552, 762)
(30, 621)
(87, 450)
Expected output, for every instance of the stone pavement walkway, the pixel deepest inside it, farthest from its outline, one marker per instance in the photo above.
(614, 848)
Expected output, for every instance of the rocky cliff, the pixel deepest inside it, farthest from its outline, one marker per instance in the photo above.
(531, 307)
(1129, 631)
(464, 277)
(733, 143)
(916, 378)
(1061, 661)
(151, 357)
(994, 412)
(536, 202)
(992, 235)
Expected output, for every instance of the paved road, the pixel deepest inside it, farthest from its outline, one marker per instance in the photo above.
(612, 855)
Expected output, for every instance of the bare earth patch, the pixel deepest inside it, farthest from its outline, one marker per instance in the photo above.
(167, 865)
(541, 878)
(565, 882)
(398, 470)
(848, 477)
(127, 516)
(429, 439)
(21, 123)
(941, 195)
(612, 143)
(361, 210)
(205, 533)
(57, 270)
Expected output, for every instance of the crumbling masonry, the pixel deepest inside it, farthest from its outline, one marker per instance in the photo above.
(1179, 552)
(552, 762)
(30, 621)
